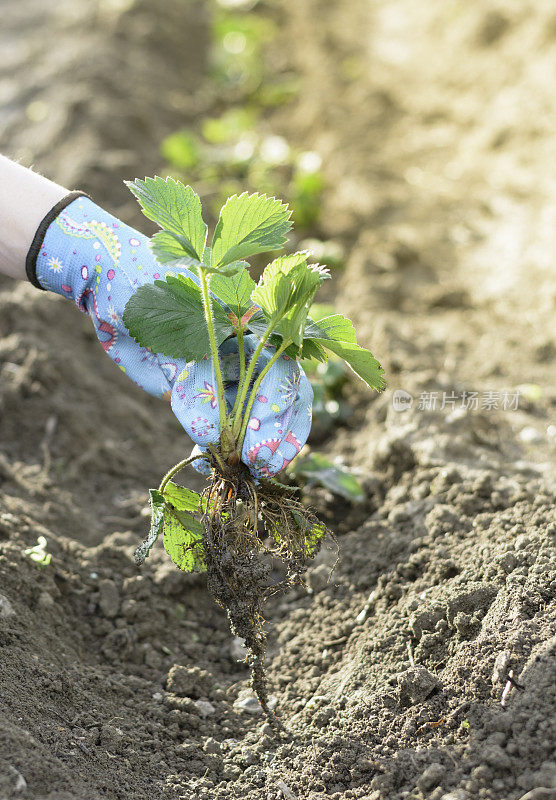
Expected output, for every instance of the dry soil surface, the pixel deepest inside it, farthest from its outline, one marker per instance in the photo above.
(436, 125)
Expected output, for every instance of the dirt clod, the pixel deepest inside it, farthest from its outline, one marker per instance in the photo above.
(431, 777)
(109, 598)
(416, 684)
(191, 682)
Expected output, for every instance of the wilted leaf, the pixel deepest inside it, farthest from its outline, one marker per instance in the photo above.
(312, 531)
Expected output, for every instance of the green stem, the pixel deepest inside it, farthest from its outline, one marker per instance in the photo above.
(170, 474)
(244, 388)
(214, 348)
(285, 344)
(241, 351)
(216, 456)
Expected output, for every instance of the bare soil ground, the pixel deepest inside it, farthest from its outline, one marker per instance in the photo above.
(436, 125)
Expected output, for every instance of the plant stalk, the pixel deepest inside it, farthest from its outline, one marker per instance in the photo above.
(216, 456)
(241, 351)
(214, 348)
(244, 387)
(285, 344)
(176, 468)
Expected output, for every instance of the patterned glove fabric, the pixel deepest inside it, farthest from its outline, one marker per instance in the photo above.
(91, 257)
(85, 254)
(280, 419)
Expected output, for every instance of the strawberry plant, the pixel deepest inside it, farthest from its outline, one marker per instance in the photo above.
(244, 514)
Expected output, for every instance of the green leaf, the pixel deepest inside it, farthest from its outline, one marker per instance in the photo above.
(176, 208)
(314, 532)
(362, 362)
(337, 334)
(258, 324)
(334, 326)
(310, 349)
(283, 284)
(182, 498)
(273, 296)
(229, 269)
(167, 317)
(286, 291)
(157, 520)
(285, 264)
(249, 224)
(168, 247)
(316, 468)
(183, 540)
(234, 291)
(291, 326)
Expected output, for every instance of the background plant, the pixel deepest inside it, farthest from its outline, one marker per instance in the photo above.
(232, 148)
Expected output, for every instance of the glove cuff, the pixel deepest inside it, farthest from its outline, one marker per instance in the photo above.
(31, 260)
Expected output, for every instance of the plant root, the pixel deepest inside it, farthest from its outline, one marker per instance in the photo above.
(245, 527)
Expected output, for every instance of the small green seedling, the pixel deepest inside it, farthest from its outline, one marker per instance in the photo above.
(38, 553)
(229, 529)
(316, 468)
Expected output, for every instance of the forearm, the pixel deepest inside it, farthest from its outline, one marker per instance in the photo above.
(25, 199)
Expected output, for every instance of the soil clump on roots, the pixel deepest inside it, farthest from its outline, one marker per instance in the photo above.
(247, 527)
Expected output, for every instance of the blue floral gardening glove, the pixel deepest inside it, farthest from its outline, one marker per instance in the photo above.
(84, 253)
(280, 419)
(91, 257)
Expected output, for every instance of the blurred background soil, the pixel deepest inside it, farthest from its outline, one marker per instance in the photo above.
(415, 143)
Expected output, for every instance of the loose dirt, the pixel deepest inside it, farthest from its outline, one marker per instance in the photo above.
(391, 676)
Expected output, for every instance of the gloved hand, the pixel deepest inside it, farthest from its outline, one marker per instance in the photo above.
(91, 257)
(280, 419)
(84, 253)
